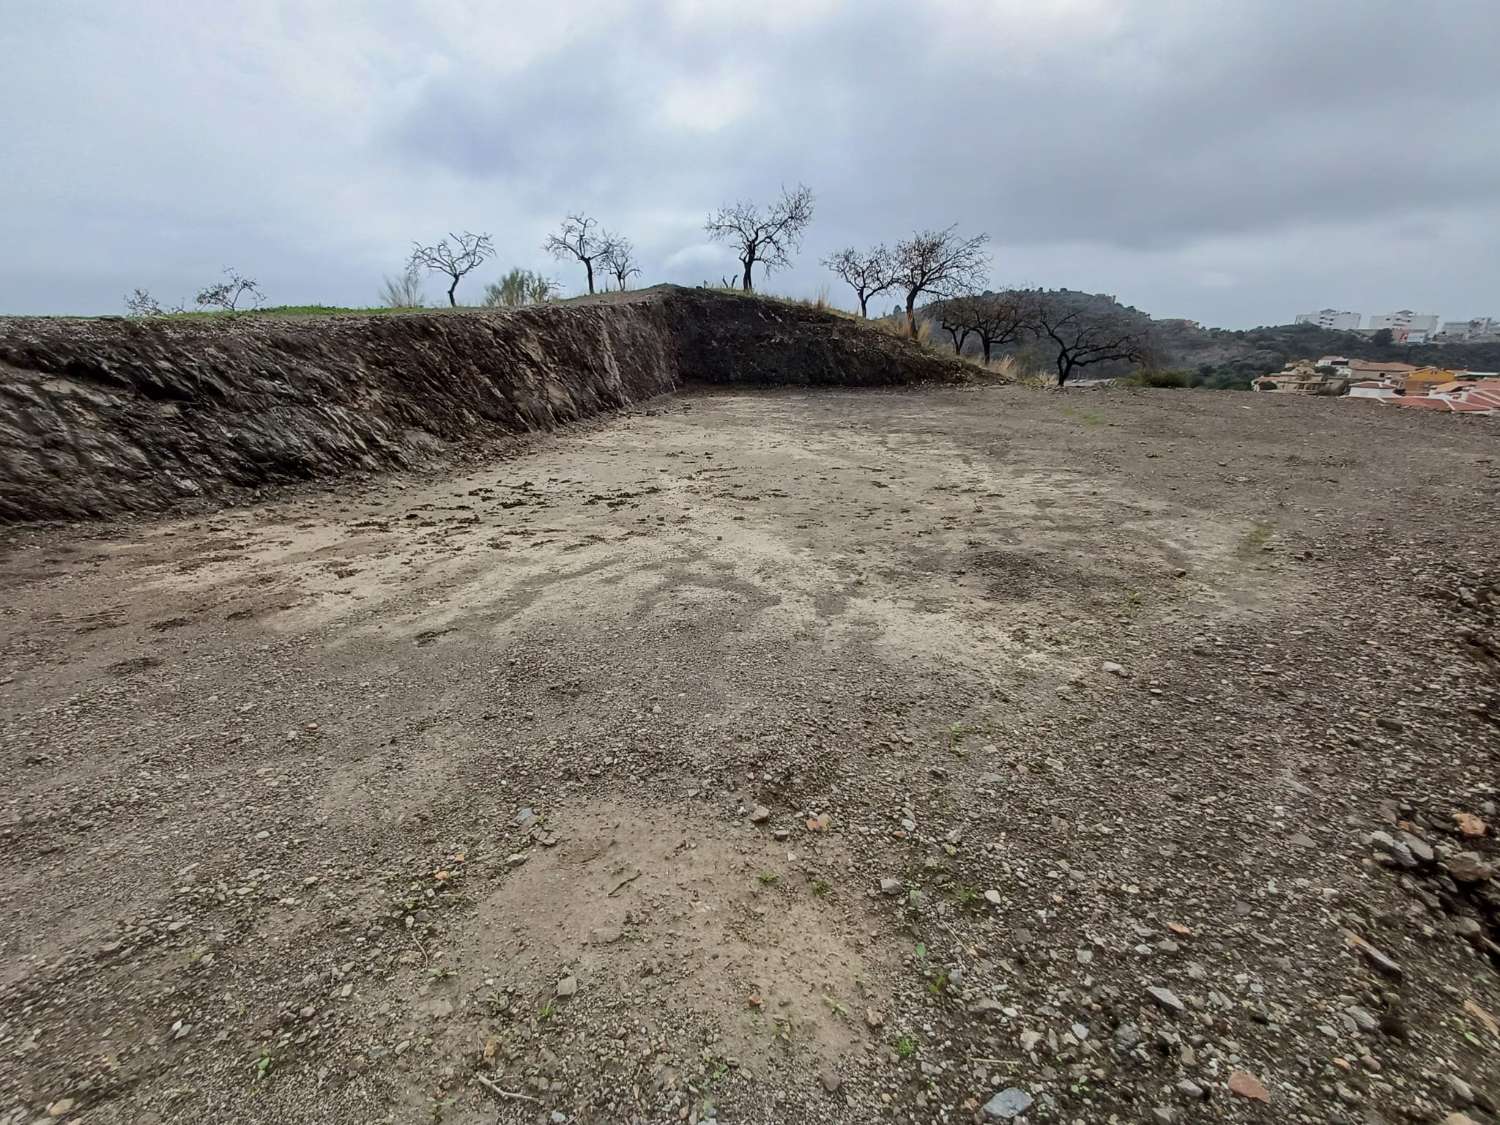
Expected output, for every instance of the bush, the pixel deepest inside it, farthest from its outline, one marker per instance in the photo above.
(404, 292)
(519, 287)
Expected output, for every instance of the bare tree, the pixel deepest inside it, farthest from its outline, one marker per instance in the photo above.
(619, 259)
(867, 272)
(1083, 335)
(227, 294)
(404, 292)
(957, 319)
(996, 318)
(767, 237)
(580, 237)
(938, 262)
(463, 254)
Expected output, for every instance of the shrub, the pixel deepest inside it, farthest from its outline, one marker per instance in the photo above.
(226, 295)
(519, 287)
(404, 292)
(142, 303)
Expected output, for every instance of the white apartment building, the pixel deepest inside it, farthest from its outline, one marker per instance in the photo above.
(1405, 318)
(1468, 329)
(1330, 318)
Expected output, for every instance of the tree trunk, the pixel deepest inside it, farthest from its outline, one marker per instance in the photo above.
(911, 317)
(864, 306)
(451, 302)
(745, 277)
(984, 342)
(1064, 369)
(589, 267)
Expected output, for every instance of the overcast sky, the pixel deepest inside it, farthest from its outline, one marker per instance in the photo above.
(1233, 161)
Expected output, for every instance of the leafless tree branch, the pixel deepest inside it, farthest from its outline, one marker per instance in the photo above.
(227, 294)
(142, 303)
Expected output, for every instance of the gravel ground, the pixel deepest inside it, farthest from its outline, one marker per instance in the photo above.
(926, 756)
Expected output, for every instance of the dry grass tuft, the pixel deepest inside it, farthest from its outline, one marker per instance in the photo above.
(896, 326)
(1001, 369)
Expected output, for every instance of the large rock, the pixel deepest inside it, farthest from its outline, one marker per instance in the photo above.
(1469, 867)
(1007, 1105)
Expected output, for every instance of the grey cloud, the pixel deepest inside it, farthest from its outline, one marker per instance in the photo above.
(1208, 160)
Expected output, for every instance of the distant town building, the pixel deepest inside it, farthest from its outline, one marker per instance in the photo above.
(1369, 370)
(1330, 318)
(1303, 377)
(1459, 396)
(1405, 319)
(1372, 388)
(1439, 389)
(1475, 329)
(1424, 379)
(1436, 389)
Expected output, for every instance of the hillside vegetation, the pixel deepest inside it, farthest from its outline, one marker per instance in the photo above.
(1227, 358)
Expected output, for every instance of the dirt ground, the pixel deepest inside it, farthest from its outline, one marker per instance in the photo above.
(775, 757)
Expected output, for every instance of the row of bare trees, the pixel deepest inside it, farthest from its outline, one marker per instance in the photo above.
(993, 319)
(938, 263)
(952, 269)
(1077, 329)
(763, 236)
(943, 265)
(580, 237)
(234, 293)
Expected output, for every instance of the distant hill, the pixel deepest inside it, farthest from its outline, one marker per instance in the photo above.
(1226, 357)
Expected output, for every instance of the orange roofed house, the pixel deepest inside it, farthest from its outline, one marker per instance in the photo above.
(1454, 396)
(1421, 380)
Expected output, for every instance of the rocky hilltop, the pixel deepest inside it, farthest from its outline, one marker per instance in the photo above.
(100, 418)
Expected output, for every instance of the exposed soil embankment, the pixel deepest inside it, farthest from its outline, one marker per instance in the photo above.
(106, 417)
